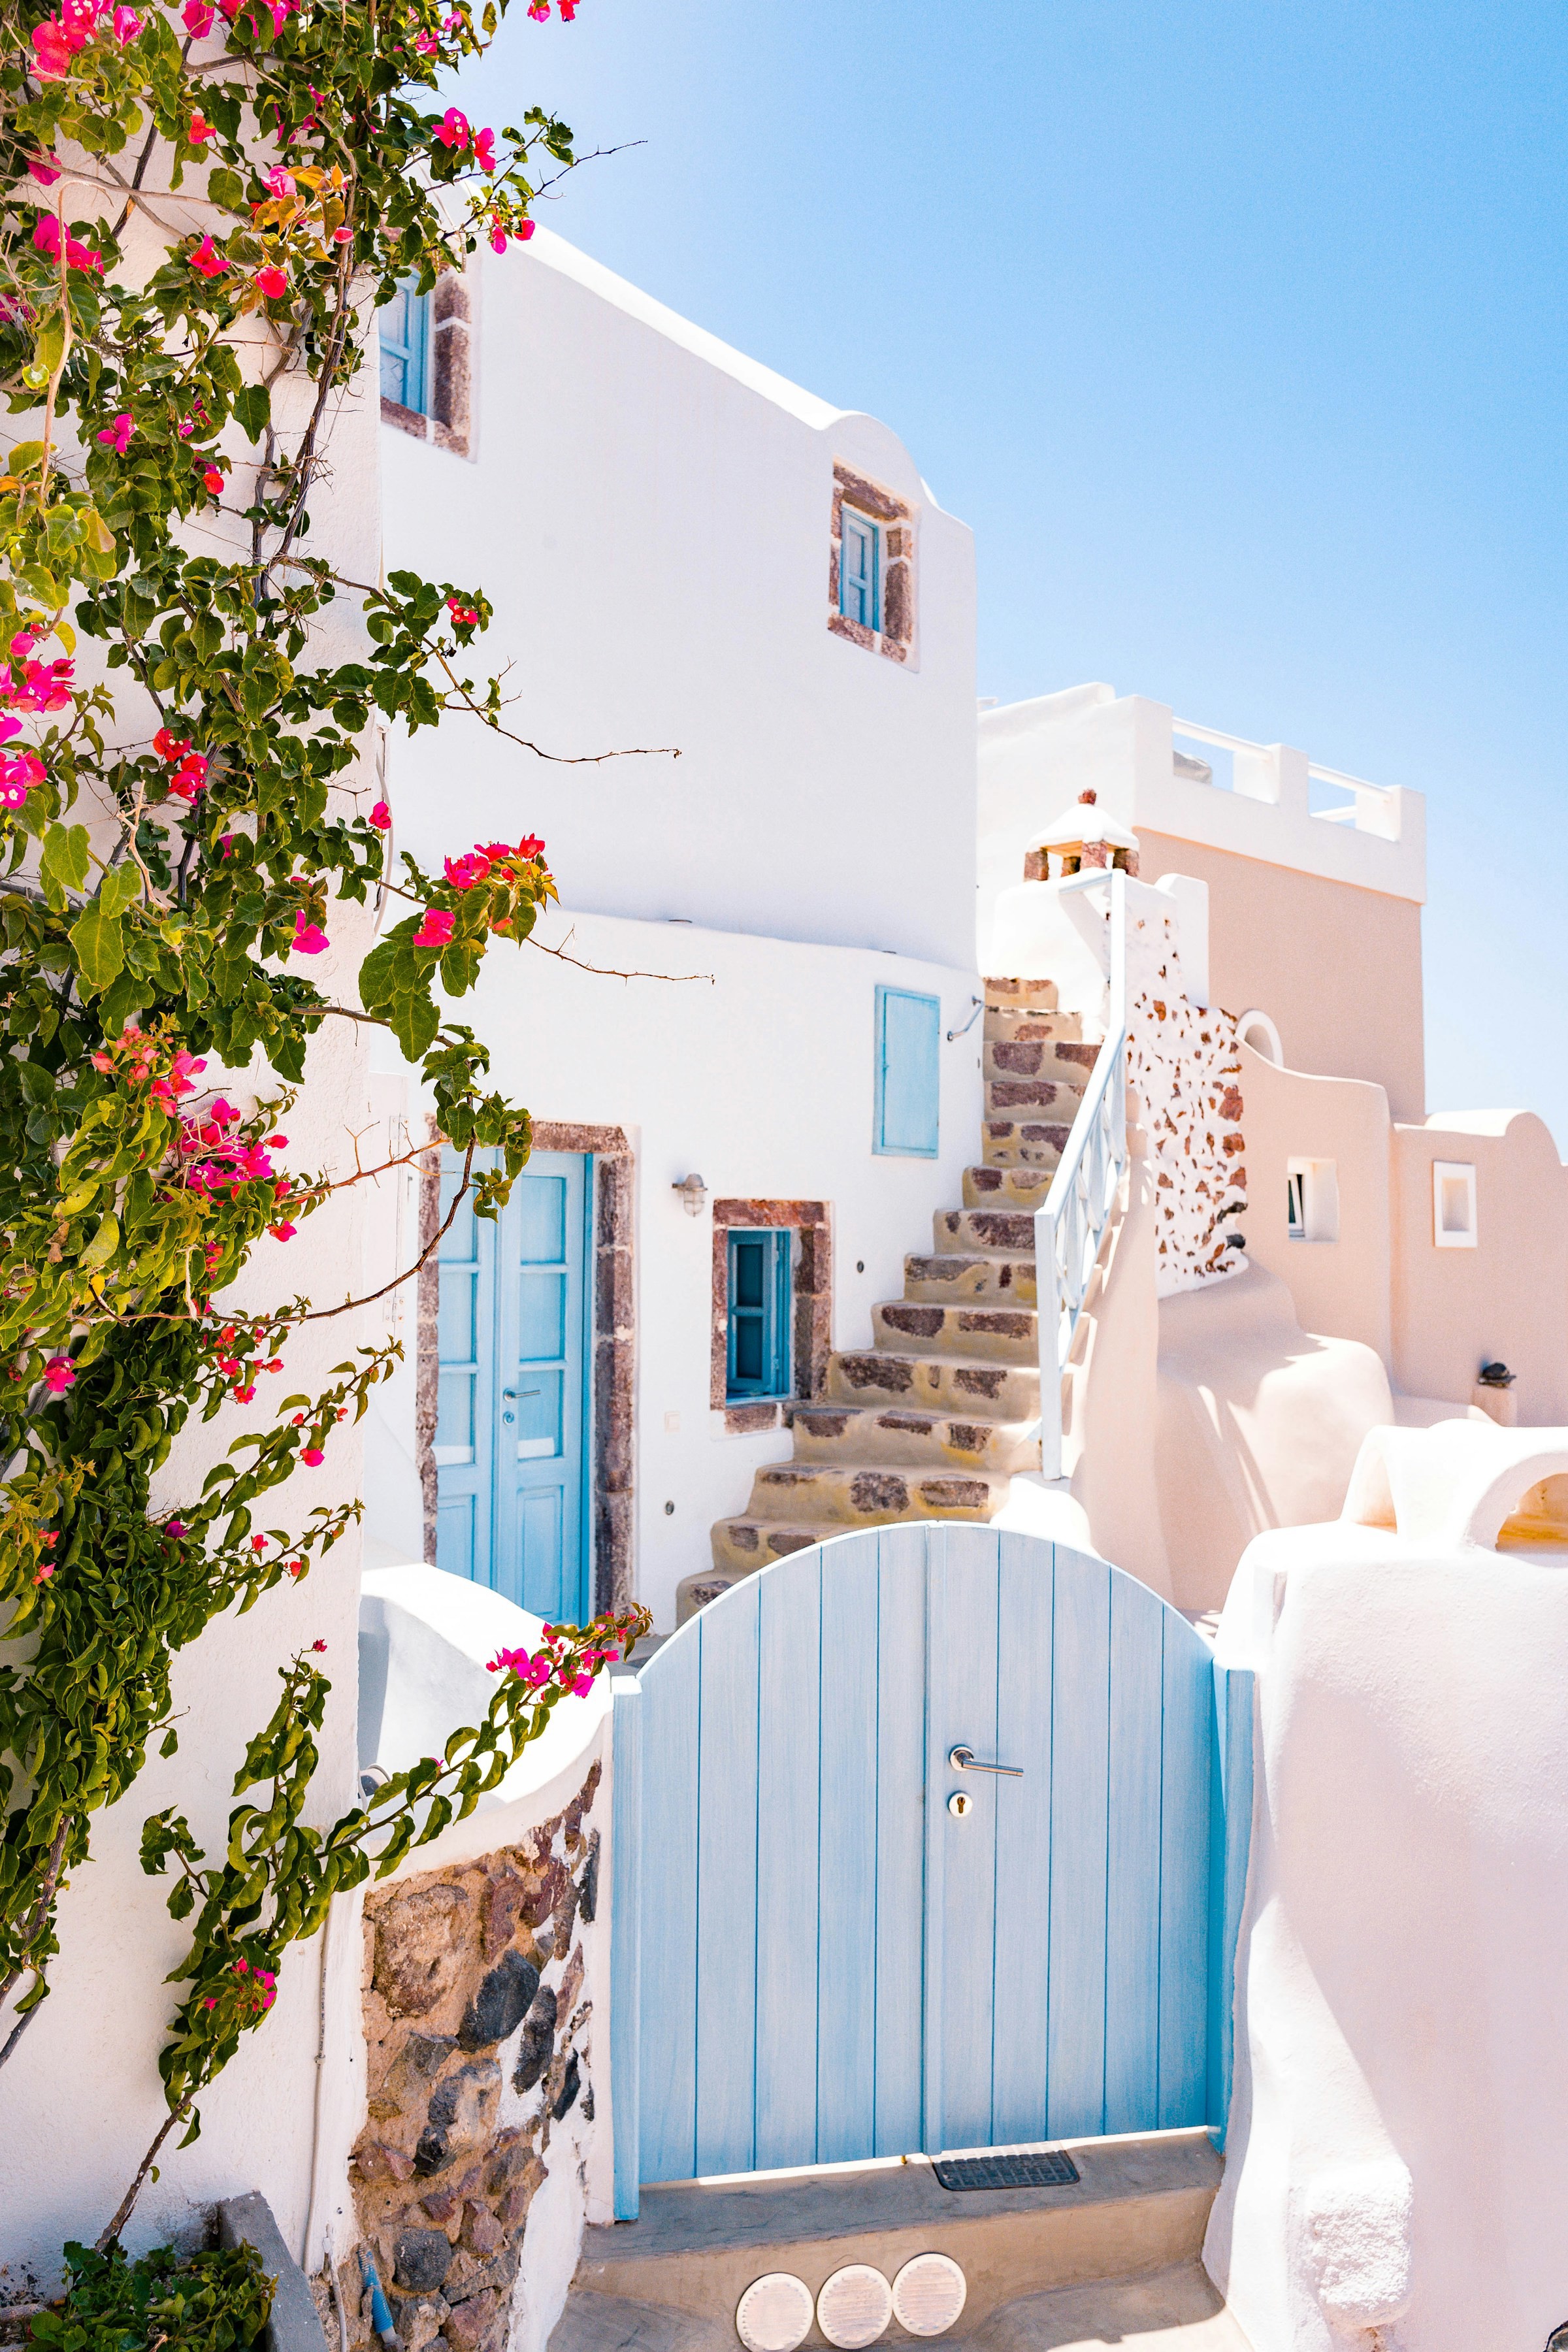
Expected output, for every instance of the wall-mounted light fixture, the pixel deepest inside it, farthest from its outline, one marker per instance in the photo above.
(693, 1191)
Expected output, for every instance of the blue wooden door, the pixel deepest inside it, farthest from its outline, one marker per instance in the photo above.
(511, 1432)
(817, 1960)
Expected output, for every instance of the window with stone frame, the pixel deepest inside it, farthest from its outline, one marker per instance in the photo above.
(426, 363)
(807, 1262)
(872, 585)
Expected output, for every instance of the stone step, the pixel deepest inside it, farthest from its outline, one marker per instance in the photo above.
(949, 1384)
(840, 1433)
(1052, 1099)
(694, 1592)
(1024, 1143)
(1021, 995)
(1136, 2216)
(742, 1544)
(871, 1494)
(1003, 1185)
(1004, 1021)
(1002, 1231)
(999, 1334)
(1174, 2309)
(952, 1274)
(1063, 1059)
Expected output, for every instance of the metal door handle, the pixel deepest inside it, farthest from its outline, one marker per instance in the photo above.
(963, 1760)
(513, 1392)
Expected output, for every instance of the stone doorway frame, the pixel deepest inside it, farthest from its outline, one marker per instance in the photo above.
(612, 1338)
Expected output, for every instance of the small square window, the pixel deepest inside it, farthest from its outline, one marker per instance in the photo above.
(758, 1363)
(1453, 1204)
(1312, 1193)
(860, 570)
(404, 330)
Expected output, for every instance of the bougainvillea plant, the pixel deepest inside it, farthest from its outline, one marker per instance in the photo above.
(204, 207)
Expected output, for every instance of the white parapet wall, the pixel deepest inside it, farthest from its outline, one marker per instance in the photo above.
(1398, 2134)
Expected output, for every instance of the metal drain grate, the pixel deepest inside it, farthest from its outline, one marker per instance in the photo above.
(1039, 2168)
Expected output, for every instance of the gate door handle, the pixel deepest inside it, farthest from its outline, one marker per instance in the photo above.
(963, 1760)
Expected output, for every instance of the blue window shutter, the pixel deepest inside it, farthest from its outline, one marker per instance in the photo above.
(908, 1073)
(404, 331)
(859, 587)
(759, 1321)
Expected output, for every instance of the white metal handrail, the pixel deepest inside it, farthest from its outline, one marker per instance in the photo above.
(1071, 1227)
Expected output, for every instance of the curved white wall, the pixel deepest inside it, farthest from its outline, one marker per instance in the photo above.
(1399, 2132)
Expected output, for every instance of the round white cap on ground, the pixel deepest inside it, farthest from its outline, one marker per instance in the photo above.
(774, 2312)
(854, 2306)
(929, 2294)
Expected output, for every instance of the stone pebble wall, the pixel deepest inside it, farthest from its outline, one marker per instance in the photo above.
(476, 2044)
(1185, 1063)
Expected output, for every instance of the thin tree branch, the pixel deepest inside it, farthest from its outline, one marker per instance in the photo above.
(111, 2229)
(605, 972)
(324, 1314)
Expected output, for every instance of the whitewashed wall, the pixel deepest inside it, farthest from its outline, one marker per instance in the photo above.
(760, 1082)
(649, 513)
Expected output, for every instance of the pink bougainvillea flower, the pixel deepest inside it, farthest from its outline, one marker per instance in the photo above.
(313, 1455)
(243, 1396)
(213, 480)
(52, 51)
(284, 1232)
(280, 182)
(117, 434)
(427, 44)
(126, 25)
(45, 1570)
(485, 150)
(498, 240)
(200, 131)
(274, 283)
(539, 11)
(524, 231)
(454, 130)
(381, 817)
(22, 644)
(190, 779)
(196, 16)
(309, 937)
(170, 746)
(464, 616)
(208, 259)
(317, 1645)
(174, 1526)
(568, 10)
(462, 873)
(436, 931)
(47, 238)
(43, 171)
(60, 1373)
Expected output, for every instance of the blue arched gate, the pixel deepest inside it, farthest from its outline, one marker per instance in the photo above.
(816, 1959)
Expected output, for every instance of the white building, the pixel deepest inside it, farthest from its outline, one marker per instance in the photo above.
(657, 521)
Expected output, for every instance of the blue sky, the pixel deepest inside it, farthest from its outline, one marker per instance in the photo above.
(1236, 327)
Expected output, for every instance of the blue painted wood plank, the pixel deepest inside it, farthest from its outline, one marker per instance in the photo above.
(901, 1681)
(847, 1855)
(788, 1784)
(670, 1705)
(962, 1709)
(1021, 2000)
(1230, 1852)
(727, 1884)
(625, 1937)
(938, 1782)
(1132, 1862)
(1081, 1670)
(1188, 1713)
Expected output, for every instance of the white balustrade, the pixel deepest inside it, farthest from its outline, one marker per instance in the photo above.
(1069, 1228)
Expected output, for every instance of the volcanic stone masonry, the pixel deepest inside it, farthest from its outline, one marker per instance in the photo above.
(477, 2043)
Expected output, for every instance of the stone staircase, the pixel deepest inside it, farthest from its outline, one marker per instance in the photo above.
(934, 1418)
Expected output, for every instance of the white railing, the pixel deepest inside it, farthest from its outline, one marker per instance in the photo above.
(1069, 1228)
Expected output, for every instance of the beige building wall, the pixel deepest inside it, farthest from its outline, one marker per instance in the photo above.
(1341, 1287)
(1507, 1298)
(1337, 968)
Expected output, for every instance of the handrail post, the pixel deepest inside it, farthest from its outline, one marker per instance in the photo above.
(1048, 1322)
(625, 1942)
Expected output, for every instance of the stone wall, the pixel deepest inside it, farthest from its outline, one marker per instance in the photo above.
(478, 2010)
(1185, 1062)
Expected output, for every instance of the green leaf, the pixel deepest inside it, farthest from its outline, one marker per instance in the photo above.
(63, 865)
(253, 410)
(99, 946)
